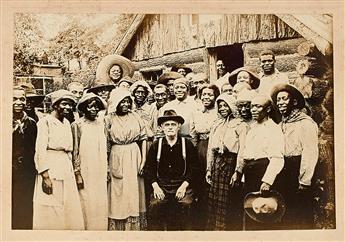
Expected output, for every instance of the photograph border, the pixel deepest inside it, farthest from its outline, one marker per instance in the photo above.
(9, 8)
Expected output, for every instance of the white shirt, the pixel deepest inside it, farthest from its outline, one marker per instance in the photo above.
(267, 82)
(266, 140)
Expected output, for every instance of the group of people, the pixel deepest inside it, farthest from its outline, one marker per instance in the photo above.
(182, 155)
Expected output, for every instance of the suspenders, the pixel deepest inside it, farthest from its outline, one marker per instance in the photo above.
(159, 151)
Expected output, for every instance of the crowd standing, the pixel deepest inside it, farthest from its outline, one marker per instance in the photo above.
(186, 154)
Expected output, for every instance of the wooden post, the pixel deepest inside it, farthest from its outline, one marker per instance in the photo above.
(212, 65)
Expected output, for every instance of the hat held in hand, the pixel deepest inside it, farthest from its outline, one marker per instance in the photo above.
(265, 208)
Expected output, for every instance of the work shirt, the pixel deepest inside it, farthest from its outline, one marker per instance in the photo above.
(171, 164)
(301, 139)
(201, 123)
(265, 140)
(267, 82)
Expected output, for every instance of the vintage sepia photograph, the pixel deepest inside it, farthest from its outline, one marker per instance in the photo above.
(182, 122)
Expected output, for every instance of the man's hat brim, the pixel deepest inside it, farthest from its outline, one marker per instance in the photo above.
(36, 99)
(176, 118)
(101, 86)
(186, 68)
(293, 91)
(265, 218)
(163, 79)
(255, 79)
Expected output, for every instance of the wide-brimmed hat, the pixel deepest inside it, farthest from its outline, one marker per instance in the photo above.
(166, 76)
(170, 115)
(100, 83)
(61, 95)
(255, 79)
(181, 66)
(265, 208)
(31, 93)
(88, 96)
(292, 90)
(109, 61)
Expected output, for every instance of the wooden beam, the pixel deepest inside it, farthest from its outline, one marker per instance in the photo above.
(138, 19)
(186, 57)
(308, 33)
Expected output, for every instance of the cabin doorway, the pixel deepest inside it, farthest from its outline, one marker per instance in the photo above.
(232, 56)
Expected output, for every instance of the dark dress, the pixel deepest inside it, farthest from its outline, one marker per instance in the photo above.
(23, 173)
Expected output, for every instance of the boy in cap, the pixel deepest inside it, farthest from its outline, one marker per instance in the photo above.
(169, 169)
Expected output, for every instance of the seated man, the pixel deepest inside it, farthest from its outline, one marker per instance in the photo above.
(169, 169)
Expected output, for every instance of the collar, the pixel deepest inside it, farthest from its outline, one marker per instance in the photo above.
(20, 124)
(276, 72)
(165, 141)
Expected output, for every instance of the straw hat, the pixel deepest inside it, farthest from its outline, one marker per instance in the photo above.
(109, 61)
(266, 208)
(60, 95)
(292, 90)
(255, 79)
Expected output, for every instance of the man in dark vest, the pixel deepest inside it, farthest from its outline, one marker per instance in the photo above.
(169, 169)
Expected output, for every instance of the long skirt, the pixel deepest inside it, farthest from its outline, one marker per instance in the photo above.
(223, 208)
(126, 193)
(60, 210)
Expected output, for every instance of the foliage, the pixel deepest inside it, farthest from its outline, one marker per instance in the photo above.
(28, 43)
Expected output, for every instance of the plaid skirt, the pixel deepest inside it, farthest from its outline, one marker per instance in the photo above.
(219, 193)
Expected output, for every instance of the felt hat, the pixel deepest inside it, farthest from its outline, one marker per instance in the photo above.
(31, 93)
(100, 83)
(88, 96)
(181, 66)
(265, 208)
(104, 66)
(61, 95)
(255, 79)
(166, 76)
(170, 115)
(292, 90)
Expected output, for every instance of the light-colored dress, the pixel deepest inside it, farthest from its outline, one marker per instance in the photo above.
(61, 209)
(126, 194)
(90, 158)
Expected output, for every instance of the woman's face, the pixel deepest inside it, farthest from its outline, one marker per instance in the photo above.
(19, 101)
(243, 76)
(115, 72)
(124, 106)
(223, 109)
(64, 107)
(92, 109)
(207, 98)
(140, 94)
